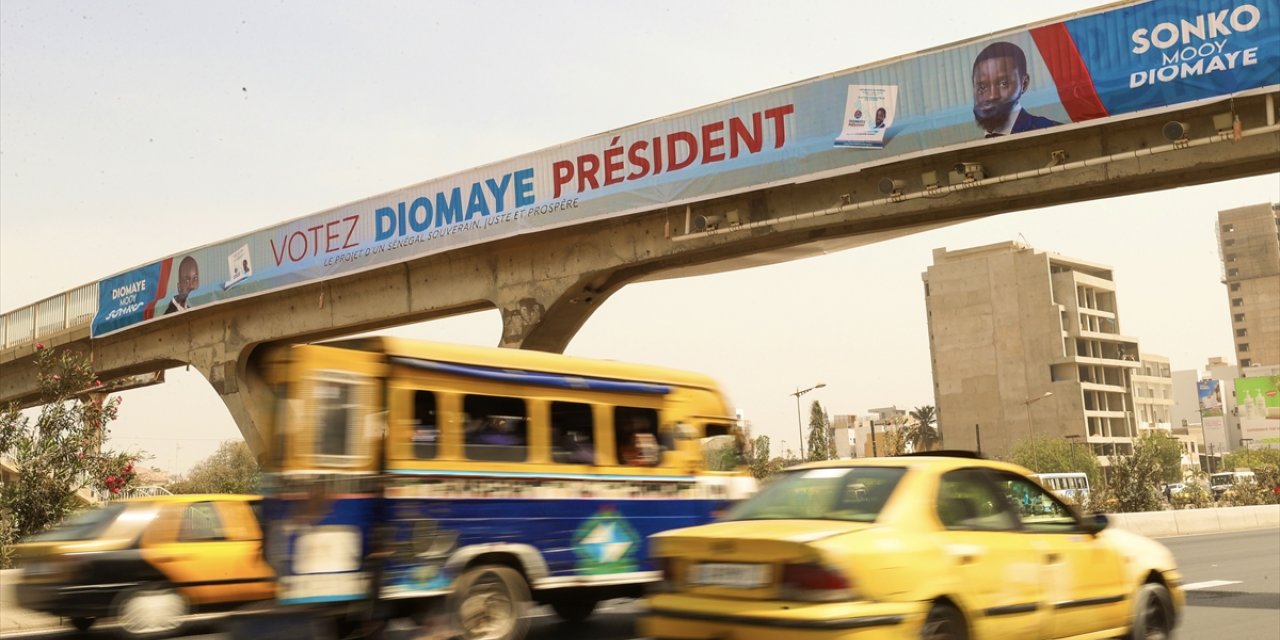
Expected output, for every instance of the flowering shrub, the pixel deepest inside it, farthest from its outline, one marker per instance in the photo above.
(60, 453)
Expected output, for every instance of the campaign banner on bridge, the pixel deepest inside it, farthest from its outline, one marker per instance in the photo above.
(1121, 60)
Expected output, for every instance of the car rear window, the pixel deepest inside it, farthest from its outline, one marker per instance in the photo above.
(85, 525)
(855, 494)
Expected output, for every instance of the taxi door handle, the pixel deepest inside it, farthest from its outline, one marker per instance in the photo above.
(1051, 558)
(177, 557)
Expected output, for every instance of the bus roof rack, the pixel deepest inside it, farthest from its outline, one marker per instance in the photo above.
(949, 453)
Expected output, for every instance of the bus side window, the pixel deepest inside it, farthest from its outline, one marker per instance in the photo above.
(636, 435)
(338, 416)
(572, 433)
(497, 428)
(426, 430)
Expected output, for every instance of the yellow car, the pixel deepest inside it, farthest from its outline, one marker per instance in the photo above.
(936, 547)
(148, 561)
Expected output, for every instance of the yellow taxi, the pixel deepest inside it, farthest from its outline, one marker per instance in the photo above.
(147, 561)
(936, 547)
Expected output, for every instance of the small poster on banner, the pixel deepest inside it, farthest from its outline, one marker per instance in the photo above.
(868, 114)
(238, 266)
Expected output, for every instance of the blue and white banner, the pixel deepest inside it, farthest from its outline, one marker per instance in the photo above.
(1121, 60)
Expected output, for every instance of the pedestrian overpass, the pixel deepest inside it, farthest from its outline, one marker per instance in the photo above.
(830, 163)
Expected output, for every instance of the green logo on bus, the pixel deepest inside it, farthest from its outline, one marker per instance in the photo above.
(606, 543)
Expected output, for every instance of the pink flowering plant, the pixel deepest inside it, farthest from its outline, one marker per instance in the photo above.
(58, 448)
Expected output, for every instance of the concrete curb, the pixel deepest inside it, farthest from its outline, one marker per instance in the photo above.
(15, 619)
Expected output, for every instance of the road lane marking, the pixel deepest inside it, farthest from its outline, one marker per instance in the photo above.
(1208, 584)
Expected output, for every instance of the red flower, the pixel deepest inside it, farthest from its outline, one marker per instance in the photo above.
(39, 346)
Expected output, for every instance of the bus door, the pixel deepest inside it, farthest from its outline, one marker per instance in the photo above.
(323, 501)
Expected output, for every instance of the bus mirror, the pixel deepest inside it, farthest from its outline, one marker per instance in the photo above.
(685, 431)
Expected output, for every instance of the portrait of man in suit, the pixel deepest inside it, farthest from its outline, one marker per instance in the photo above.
(1000, 79)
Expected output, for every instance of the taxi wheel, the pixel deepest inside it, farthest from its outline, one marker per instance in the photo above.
(151, 611)
(574, 610)
(83, 624)
(489, 603)
(1153, 613)
(944, 622)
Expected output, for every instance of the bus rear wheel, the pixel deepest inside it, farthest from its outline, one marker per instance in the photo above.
(489, 603)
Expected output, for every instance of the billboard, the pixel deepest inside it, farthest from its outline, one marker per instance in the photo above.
(1211, 414)
(1119, 60)
(1258, 408)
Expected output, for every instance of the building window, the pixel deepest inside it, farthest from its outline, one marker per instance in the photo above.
(1231, 257)
(1235, 286)
(1246, 362)
(1244, 346)
(1233, 272)
(1239, 317)
(1237, 302)
(1240, 333)
(1228, 228)
(1228, 242)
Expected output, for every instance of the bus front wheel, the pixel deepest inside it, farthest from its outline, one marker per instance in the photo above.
(489, 603)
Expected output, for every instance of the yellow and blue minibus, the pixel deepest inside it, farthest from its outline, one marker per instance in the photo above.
(411, 474)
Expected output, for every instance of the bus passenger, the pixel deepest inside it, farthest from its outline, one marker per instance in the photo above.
(579, 448)
(497, 431)
(638, 445)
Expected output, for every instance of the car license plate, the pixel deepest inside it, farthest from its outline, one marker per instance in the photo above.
(729, 574)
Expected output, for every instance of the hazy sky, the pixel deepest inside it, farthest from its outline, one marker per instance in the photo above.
(133, 130)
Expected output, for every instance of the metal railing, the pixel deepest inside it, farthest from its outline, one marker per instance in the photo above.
(51, 316)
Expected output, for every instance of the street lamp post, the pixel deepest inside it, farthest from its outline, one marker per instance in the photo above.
(1073, 438)
(799, 424)
(1035, 446)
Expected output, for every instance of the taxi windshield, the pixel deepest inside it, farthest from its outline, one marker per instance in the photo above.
(85, 525)
(854, 494)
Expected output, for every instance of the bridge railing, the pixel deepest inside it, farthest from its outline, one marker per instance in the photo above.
(51, 316)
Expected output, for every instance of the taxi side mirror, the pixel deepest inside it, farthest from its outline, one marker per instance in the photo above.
(1097, 523)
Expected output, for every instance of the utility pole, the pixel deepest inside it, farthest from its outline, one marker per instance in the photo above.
(977, 435)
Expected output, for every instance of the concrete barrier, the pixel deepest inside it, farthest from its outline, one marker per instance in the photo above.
(1157, 524)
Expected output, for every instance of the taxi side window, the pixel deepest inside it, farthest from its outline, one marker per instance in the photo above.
(1039, 510)
(969, 501)
(200, 522)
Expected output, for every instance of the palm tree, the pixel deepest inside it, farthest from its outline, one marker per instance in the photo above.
(924, 436)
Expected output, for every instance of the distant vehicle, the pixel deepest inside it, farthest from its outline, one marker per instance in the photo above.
(1073, 486)
(1174, 488)
(1221, 483)
(147, 561)
(942, 548)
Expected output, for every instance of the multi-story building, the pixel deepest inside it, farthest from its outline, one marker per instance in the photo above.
(1024, 343)
(1249, 244)
(842, 430)
(1153, 394)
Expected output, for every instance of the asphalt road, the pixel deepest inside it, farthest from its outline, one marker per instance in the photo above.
(1233, 582)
